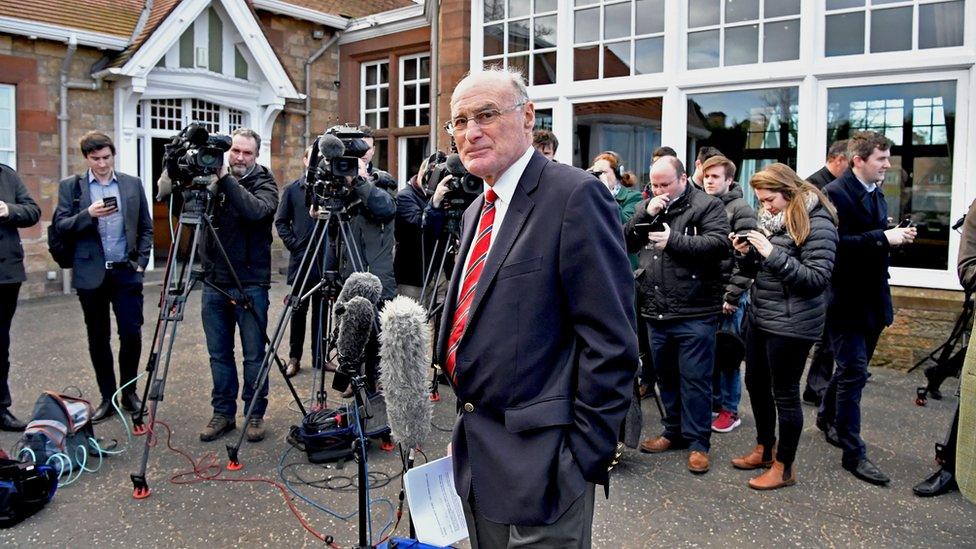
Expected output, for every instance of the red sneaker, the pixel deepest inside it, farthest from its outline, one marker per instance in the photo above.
(726, 422)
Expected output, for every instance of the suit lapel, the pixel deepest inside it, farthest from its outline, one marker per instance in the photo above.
(127, 195)
(85, 200)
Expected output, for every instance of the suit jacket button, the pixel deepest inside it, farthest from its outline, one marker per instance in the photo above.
(468, 407)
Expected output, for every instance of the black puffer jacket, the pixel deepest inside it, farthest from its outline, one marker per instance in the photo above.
(742, 218)
(789, 295)
(685, 280)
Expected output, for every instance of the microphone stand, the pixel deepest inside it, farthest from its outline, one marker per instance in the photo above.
(358, 384)
(451, 238)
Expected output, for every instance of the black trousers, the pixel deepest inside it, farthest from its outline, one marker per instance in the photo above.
(821, 365)
(296, 337)
(8, 305)
(841, 405)
(774, 365)
(122, 290)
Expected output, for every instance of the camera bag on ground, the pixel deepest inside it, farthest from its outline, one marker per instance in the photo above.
(328, 435)
(62, 245)
(60, 425)
(25, 488)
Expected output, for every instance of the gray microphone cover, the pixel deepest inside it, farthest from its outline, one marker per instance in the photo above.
(405, 352)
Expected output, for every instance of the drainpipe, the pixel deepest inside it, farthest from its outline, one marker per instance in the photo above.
(308, 84)
(435, 31)
(63, 119)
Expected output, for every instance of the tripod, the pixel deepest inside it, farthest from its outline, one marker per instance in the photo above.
(946, 363)
(331, 215)
(451, 238)
(197, 217)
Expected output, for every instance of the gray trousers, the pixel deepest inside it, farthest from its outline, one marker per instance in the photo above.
(572, 530)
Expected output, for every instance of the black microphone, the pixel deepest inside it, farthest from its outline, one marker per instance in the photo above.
(405, 351)
(197, 134)
(331, 146)
(455, 166)
(354, 332)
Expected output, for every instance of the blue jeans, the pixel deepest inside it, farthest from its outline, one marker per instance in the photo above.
(220, 317)
(727, 381)
(684, 353)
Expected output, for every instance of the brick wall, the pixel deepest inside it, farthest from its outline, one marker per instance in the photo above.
(455, 56)
(923, 320)
(33, 66)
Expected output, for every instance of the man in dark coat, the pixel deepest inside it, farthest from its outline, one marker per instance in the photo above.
(413, 249)
(860, 304)
(112, 229)
(538, 337)
(682, 235)
(822, 359)
(17, 210)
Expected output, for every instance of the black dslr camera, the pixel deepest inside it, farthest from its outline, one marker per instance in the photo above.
(333, 161)
(193, 155)
(463, 187)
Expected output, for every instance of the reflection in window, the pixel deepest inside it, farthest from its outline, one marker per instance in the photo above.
(891, 28)
(522, 38)
(729, 32)
(616, 38)
(631, 128)
(375, 98)
(920, 119)
(543, 119)
(753, 128)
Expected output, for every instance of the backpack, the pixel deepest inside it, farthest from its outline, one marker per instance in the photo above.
(61, 245)
(25, 488)
(328, 435)
(60, 433)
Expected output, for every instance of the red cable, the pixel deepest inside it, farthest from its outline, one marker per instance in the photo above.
(208, 469)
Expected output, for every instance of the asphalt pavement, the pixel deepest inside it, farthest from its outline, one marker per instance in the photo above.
(654, 500)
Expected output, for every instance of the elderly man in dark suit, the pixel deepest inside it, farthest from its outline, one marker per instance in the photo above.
(860, 305)
(113, 235)
(17, 210)
(538, 338)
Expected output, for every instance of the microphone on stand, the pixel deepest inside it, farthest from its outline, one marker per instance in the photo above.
(405, 349)
(354, 331)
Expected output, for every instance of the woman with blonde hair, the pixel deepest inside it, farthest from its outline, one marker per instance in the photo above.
(790, 257)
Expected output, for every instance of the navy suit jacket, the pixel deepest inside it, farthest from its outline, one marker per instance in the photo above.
(545, 367)
(861, 299)
(89, 261)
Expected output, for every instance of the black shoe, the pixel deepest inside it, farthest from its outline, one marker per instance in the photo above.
(131, 402)
(103, 412)
(829, 431)
(938, 483)
(9, 422)
(811, 397)
(868, 472)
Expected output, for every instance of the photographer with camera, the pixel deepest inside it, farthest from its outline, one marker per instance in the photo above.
(247, 197)
(105, 214)
(414, 247)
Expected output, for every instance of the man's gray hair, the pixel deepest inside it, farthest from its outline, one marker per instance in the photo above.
(248, 132)
(513, 77)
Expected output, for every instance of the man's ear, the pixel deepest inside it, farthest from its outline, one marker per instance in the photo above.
(529, 116)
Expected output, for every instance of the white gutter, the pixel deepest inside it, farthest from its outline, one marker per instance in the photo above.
(35, 30)
(298, 12)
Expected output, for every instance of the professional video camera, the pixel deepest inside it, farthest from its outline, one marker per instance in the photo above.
(463, 187)
(334, 160)
(193, 155)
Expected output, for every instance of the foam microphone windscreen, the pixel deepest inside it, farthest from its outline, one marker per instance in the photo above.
(331, 146)
(405, 352)
(165, 186)
(455, 166)
(354, 332)
(365, 285)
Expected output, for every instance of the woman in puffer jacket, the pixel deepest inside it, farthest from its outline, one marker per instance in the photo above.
(790, 257)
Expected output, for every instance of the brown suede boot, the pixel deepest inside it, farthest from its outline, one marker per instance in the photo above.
(776, 477)
(754, 459)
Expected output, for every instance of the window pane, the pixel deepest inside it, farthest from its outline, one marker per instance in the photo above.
(545, 32)
(587, 25)
(409, 118)
(424, 117)
(649, 55)
(384, 120)
(520, 63)
(384, 73)
(409, 69)
(777, 8)
(493, 39)
(371, 120)
(585, 2)
(891, 30)
(370, 99)
(703, 12)
(519, 8)
(631, 127)
(494, 10)
(518, 36)
(410, 95)
(546, 5)
(919, 183)
(544, 71)
(650, 16)
(586, 63)
(384, 97)
(840, 4)
(742, 45)
(424, 93)
(741, 10)
(425, 67)
(940, 25)
(781, 40)
(844, 34)
(702, 49)
(616, 21)
(616, 59)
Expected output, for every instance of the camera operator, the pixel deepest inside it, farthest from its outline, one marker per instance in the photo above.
(413, 247)
(247, 196)
(17, 210)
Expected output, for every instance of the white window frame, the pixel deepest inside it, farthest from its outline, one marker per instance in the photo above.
(478, 24)
(602, 42)
(961, 193)
(13, 125)
(402, 176)
(364, 88)
(417, 82)
(186, 105)
(721, 27)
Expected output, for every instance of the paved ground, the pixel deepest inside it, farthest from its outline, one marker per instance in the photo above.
(654, 500)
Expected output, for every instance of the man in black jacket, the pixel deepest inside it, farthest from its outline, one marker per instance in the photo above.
(860, 304)
(247, 196)
(413, 249)
(682, 235)
(17, 210)
(822, 358)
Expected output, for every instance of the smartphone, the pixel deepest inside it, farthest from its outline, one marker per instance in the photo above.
(742, 238)
(906, 223)
(111, 202)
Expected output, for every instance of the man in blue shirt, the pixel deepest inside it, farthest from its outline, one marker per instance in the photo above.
(112, 230)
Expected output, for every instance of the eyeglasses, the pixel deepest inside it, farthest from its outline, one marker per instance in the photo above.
(481, 119)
